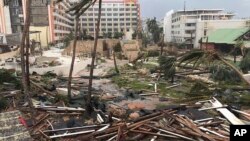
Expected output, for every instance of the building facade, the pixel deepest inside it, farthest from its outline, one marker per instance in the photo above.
(5, 18)
(188, 27)
(61, 23)
(51, 23)
(117, 16)
(48, 19)
(16, 15)
(225, 39)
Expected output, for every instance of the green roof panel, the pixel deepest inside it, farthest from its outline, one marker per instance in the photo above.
(225, 36)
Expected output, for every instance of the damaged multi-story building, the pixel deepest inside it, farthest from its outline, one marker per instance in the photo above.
(49, 23)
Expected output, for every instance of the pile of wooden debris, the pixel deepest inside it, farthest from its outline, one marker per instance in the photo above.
(174, 122)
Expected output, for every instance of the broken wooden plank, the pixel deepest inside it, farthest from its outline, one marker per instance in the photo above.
(171, 133)
(41, 88)
(226, 113)
(70, 134)
(210, 108)
(47, 137)
(149, 94)
(10, 93)
(211, 123)
(54, 108)
(155, 137)
(155, 134)
(241, 112)
(75, 128)
(173, 86)
(99, 118)
(213, 132)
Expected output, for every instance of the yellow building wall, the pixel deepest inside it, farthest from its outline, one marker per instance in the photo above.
(44, 35)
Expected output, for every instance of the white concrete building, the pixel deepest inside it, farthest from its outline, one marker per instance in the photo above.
(5, 19)
(117, 16)
(190, 26)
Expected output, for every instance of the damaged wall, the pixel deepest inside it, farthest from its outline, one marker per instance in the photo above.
(131, 49)
(85, 47)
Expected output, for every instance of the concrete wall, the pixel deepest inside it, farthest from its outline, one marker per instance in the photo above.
(44, 35)
(7, 20)
(86, 47)
(167, 26)
(130, 48)
(5, 23)
(208, 46)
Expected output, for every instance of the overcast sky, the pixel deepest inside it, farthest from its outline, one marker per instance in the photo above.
(158, 8)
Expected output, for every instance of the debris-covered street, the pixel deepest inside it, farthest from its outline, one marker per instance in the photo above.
(106, 70)
(136, 104)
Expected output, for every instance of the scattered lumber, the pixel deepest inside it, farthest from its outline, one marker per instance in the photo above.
(167, 124)
(41, 88)
(10, 93)
(226, 113)
(60, 109)
(149, 94)
(173, 86)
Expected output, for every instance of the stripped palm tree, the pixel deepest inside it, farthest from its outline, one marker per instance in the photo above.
(239, 45)
(199, 57)
(116, 49)
(24, 49)
(78, 9)
(168, 67)
(89, 107)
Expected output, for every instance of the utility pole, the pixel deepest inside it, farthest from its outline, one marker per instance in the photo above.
(184, 8)
(192, 43)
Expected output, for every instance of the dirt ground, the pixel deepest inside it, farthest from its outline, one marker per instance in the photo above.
(63, 69)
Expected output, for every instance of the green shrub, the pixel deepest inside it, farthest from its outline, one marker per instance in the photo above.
(61, 98)
(245, 99)
(200, 88)
(167, 66)
(3, 104)
(118, 47)
(7, 76)
(223, 73)
(153, 53)
(119, 55)
(245, 63)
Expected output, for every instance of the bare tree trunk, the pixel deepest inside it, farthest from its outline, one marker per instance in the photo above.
(73, 58)
(235, 69)
(162, 44)
(172, 79)
(22, 50)
(115, 64)
(88, 104)
(207, 43)
(27, 58)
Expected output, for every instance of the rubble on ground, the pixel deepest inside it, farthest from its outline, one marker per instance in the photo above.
(119, 113)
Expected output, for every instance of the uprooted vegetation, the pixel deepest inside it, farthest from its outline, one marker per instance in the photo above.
(8, 78)
(142, 90)
(223, 73)
(217, 77)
